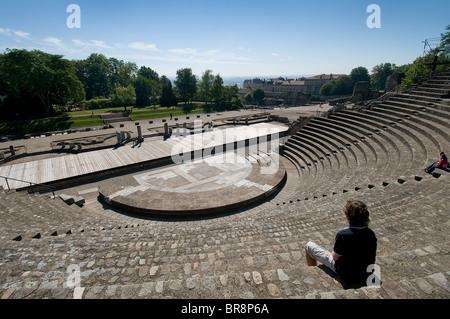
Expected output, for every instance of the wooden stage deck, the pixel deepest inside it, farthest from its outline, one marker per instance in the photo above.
(69, 166)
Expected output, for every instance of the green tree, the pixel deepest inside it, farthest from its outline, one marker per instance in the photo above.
(231, 97)
(95, 74)
(380, 73)
(217, 90)
(205, 85)
(148, 91)
(249, 98)
(445, 43)
(148, 87)
(186, 84)
(126, 74)
(168, 98)
(359, 74)
(124, 96)
(421, 68)
(259, 95)
(327, 88)
(143, 88)
(148, 73)
(35, 75)
(343, 86)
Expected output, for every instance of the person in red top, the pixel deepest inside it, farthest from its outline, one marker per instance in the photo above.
(443, 163)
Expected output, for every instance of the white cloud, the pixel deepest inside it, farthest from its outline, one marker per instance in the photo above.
(54, 41)
(244, 49)
(15, 34)
(211, 52)
(193, 52)
(80, 43)
(144, 47)
(91, 44)
(100, 44)
(22, 34)
(185, 51)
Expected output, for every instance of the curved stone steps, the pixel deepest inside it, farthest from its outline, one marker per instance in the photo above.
(394, 137)
(304, 170)
(335, 146)
(430, 121)
(320, 155)
(242, 260)
(330, 149)
(331, 155)
(311, 154)
(35, 216)
(351, 144)
(400, 130)
(433, 133)
(431, 124)
(408, 108)
(309, 171)
(376, 154)
(319, 158)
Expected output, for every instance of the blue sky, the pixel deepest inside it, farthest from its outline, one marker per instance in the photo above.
(233, 38)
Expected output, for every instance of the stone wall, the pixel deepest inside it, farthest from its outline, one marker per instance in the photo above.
(393, 81)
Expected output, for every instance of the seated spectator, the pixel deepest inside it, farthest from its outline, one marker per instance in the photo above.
(354, 248)
(443, 163)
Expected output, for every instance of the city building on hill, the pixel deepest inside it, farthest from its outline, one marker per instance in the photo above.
(310, 85)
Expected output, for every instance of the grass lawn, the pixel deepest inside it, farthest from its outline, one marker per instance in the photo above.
(79, 119)
(105, 110)
(158, 113)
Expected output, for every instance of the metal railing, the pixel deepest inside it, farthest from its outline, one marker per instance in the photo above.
(34, 187)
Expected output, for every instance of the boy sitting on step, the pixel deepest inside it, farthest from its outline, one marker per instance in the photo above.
(354, 249)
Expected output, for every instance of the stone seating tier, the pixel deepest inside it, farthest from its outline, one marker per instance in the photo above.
(258, 252)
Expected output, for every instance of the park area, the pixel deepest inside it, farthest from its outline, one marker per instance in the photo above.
(91, 118)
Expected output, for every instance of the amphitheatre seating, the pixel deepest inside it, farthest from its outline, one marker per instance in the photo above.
(396, 138)
(34, 216)
(373, 155)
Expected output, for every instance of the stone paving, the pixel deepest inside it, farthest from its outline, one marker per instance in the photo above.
(211, 185)
(51, 250)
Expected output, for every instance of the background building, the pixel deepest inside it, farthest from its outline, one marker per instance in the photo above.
(310, 85)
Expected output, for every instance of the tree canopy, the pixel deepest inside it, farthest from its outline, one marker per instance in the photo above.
(186, 84)
(205, 85)
(380, 73)
(359, 74)
(28, 76)
(259, 95)
(168, 98)
(148, 87)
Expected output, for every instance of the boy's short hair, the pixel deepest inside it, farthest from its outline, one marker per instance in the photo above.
(357, 213)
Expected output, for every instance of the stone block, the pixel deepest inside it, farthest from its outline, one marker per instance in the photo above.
(393, 81)
(67, 199)
(78, 200)
(361, 92)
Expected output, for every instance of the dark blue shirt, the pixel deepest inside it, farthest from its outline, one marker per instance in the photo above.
(357, 247)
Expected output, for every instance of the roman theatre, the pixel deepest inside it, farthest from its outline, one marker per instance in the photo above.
(221, 205)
